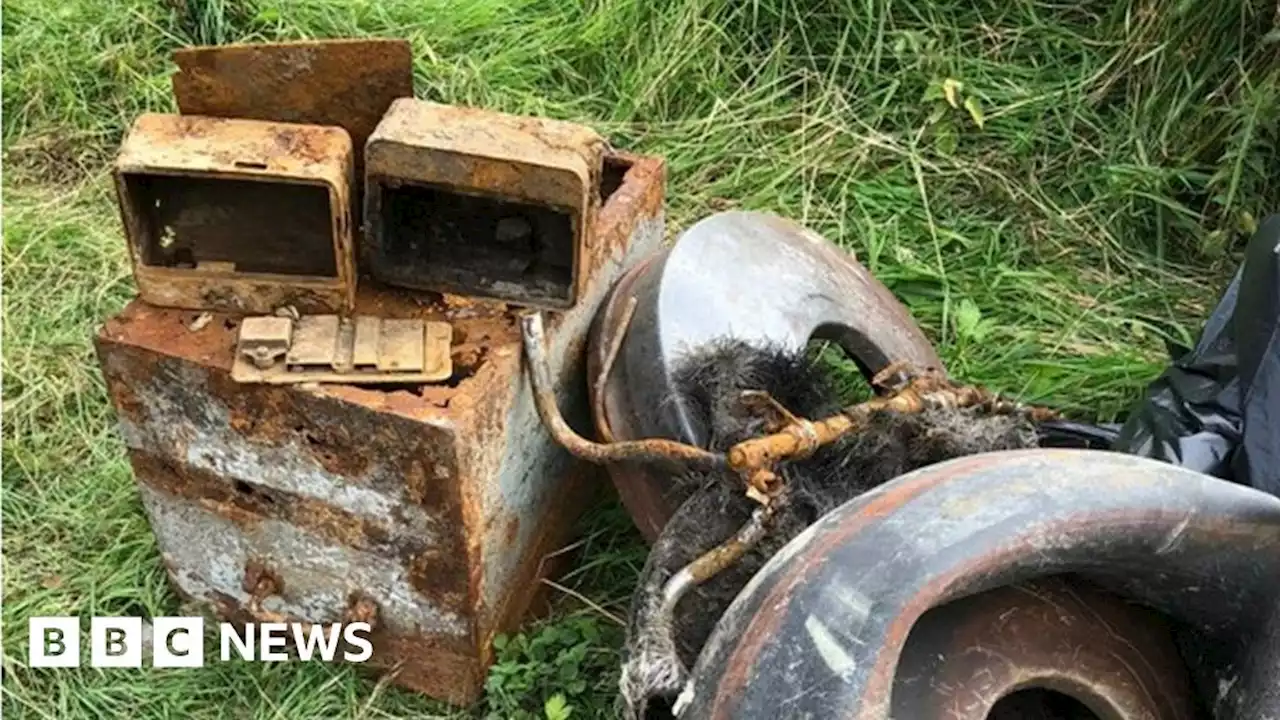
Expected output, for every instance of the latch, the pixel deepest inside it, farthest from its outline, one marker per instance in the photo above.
(334, 349)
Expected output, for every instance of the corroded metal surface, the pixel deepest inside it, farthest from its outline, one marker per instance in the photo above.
(755, 460)
(345, 83)
(435, 504)
(788, 436)
(1200, 551)
(683, 299)
(238, 215)
(481, 203)
(669, 452)
(968, 658)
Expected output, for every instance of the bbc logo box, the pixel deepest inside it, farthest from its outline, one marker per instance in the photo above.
(179, 642)
(116, 642)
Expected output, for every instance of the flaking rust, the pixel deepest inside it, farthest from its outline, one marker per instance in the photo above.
(482, 203)
(347, 83)
(432, 505)
(238, 215)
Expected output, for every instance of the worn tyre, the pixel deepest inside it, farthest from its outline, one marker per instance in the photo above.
(821, 631)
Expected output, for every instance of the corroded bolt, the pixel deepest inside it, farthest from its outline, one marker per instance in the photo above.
(262, 357)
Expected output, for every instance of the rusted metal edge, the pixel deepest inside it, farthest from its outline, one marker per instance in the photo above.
(349, 83)
(171, 149)
(1141, 526)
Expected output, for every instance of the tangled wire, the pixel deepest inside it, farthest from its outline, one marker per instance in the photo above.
(663, 642)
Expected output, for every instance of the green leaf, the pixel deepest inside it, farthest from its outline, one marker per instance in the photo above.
(951, 88)
(967, 319)
(945, 139)
(557, 708)
(974, 106)
(932, 91)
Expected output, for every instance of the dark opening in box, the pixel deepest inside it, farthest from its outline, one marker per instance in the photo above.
(433, 238)
(615, 172)
(259, 225)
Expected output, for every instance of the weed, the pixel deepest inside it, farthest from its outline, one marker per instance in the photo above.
(549, 671)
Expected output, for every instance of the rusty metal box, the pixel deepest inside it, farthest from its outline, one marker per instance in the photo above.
(430, 507)
(480, 203)
(238, 215)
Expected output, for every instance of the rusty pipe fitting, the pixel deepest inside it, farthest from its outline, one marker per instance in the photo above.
(714, 561)
(800, 438)
(650, 450)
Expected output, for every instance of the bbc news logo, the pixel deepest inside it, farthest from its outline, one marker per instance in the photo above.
(179, 642)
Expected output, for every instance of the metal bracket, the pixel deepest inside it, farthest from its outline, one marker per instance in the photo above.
(329, 348)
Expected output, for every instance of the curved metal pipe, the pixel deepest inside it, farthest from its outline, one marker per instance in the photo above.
(650, 450)
(711, 563)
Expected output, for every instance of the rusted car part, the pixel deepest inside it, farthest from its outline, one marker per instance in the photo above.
(755, 460)
(346, 83)
(333, 349)
(707, 286)
(438, 502)
(821, 630)
(481, 203)
(673, 454)
(717, 560)
(790, 437)
(1015, 652)
(238, 215)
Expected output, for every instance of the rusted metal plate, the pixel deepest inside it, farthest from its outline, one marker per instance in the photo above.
(346, 83)
(332, 349)
(437, 503)
(481, 203)
(827, 620)
(238, 215)
(316, 342)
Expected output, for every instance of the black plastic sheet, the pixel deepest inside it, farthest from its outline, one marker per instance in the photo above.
(1217, 408)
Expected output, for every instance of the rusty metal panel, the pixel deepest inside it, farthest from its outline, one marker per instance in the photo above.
(481, 203)
(435, 504)
(238, 215)
(346, 83)
(629, 226)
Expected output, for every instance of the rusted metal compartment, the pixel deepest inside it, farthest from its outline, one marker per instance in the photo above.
(428, 507)
(483, 204)
(238, 215)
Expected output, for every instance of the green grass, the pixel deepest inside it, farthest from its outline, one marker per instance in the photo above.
(1077, 209)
